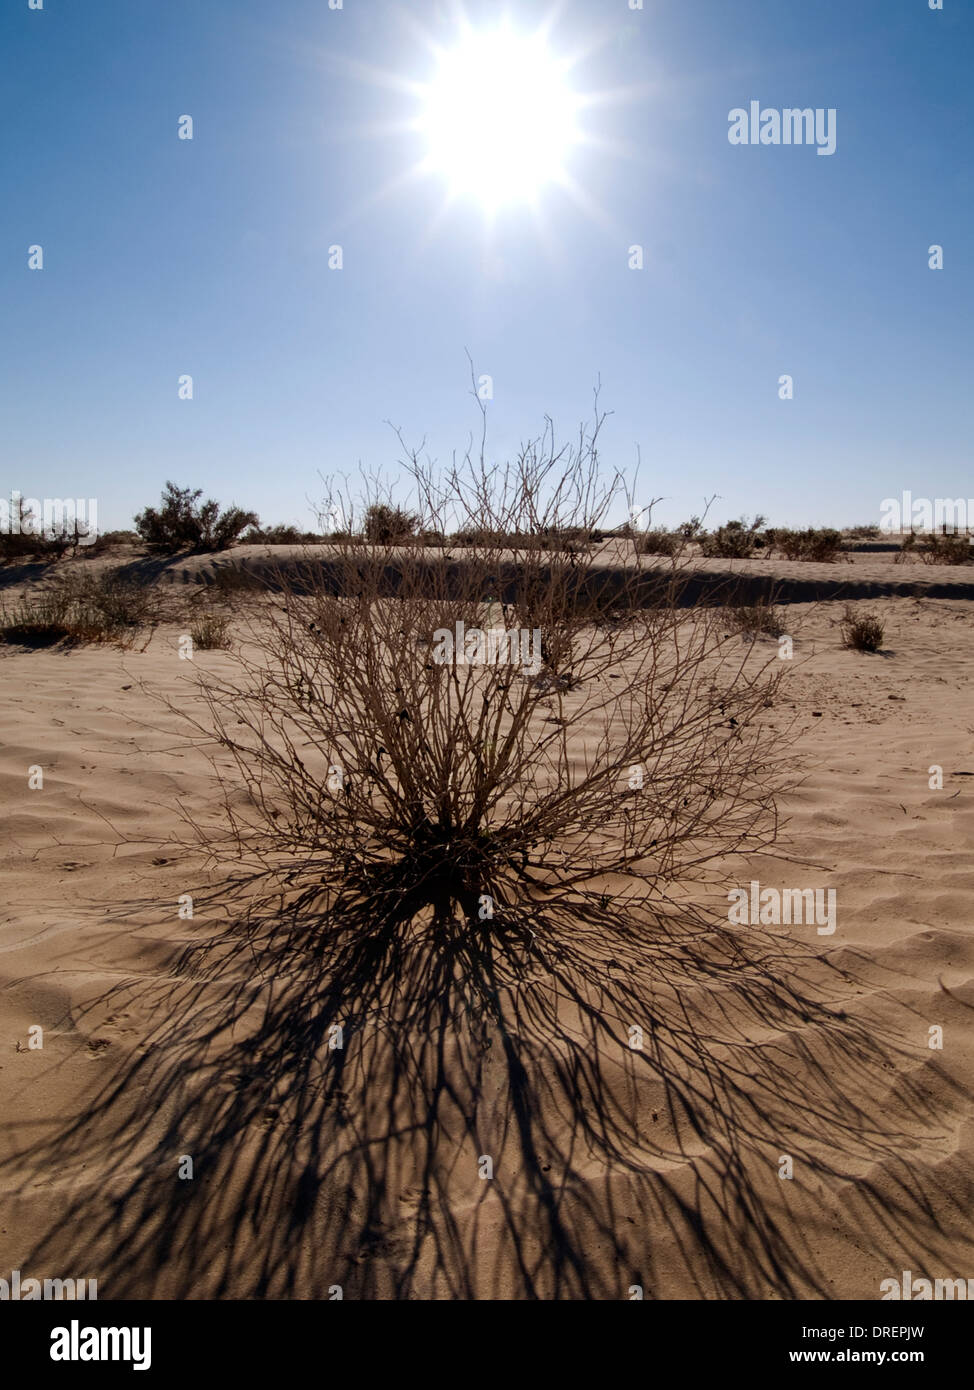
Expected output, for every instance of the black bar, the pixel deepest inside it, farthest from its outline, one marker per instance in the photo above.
(692, 1338)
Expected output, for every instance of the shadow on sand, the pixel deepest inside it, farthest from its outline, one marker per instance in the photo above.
(358, 1159)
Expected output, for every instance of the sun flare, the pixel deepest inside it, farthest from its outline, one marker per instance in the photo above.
(499, 118)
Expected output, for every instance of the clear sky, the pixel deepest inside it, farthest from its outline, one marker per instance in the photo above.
(209, 256)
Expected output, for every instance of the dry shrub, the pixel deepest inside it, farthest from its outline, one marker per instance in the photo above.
(821, 544)
(81, 607)
(420, 787)
(34, 538)
(107, 541)
(478, 876)
(752, 619)
(947, 549)
(381, 773)
(284, 534)
(658, 541)
(735, 540)
(863, 632)
(211, 632)
(385, 524)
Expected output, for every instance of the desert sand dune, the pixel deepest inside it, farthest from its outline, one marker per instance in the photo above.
(359, 1168)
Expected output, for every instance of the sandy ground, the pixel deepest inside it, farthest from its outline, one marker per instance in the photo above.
(311, 1172)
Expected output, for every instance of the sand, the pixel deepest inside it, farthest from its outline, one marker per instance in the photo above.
(316, 1170)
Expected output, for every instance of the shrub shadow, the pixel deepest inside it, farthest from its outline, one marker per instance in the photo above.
(357, 1159)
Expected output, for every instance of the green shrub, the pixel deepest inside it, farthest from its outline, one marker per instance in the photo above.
(181, 522)
(822, 544)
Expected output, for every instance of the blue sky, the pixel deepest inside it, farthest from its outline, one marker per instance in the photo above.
(210, 257)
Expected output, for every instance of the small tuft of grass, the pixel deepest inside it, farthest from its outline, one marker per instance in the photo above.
(863, 632)
(211, 632)
(755, 618)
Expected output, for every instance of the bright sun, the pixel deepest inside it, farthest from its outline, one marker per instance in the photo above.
(499, 118)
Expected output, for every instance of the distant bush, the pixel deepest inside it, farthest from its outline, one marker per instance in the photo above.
(384, 524)
(863, 533)
(181, 522)
(14, 547)
(502, 540)
(862, 631)
(822, 544)
(108, 540)
(566, 539)
(946, 550)
(567, 535)
(658, 542)
(281, 535)
(480, 536)
(470, 536)
(27, 539)
(735, 540)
